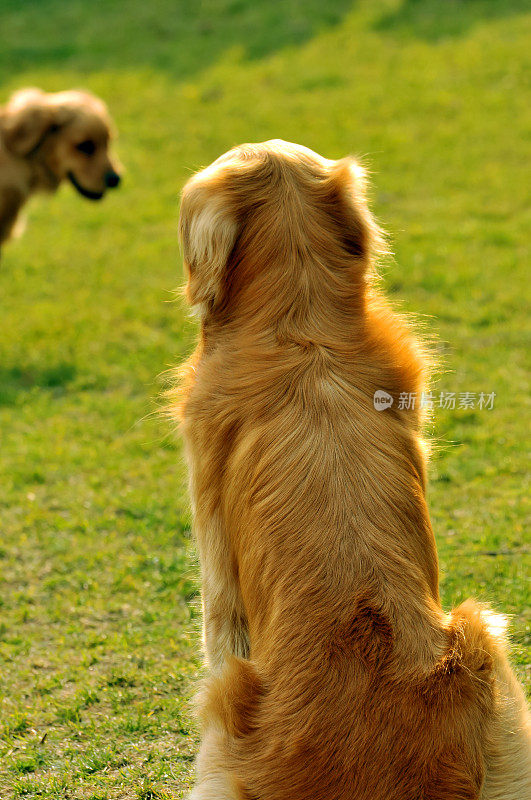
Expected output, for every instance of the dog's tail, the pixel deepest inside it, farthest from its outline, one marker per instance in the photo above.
(232, 698)
(230, 703)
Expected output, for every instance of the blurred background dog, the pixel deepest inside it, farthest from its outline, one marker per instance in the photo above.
(45, 138)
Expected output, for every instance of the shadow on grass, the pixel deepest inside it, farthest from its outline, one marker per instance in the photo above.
(433, 20)
(179, 36)
(14, 380)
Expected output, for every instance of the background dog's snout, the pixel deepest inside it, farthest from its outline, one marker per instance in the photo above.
(112, 179)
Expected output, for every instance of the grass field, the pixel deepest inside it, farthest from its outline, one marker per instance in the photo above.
(99, 622)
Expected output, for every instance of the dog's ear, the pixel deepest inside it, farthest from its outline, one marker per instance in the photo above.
(208, 232)
(26, 120)
(359, 234)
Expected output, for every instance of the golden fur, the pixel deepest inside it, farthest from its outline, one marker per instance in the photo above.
(45, 138)
(334, 672)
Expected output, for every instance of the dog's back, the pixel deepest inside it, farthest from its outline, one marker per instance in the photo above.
(357, 686)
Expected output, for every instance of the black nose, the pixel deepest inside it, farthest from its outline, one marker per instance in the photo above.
(112, 179)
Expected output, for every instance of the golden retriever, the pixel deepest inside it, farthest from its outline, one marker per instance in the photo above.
(334, 672)
(45, 138)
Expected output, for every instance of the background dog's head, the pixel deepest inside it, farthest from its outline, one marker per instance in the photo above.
(67, 134)
(261, 206)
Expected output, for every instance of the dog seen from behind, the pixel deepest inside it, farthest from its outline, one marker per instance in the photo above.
(334, 673)
(46, 138)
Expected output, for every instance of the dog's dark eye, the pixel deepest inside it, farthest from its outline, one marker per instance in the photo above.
(88, 147)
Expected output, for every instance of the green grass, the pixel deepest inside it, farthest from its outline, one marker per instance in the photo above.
(99, 644)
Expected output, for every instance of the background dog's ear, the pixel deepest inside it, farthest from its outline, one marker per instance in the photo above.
(25, 121)
(359, 233)
(208, 233)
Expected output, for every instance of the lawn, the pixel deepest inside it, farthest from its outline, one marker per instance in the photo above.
(99, 614)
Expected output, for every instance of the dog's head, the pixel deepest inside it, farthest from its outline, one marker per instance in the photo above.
(263, 205)
(68, 134)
